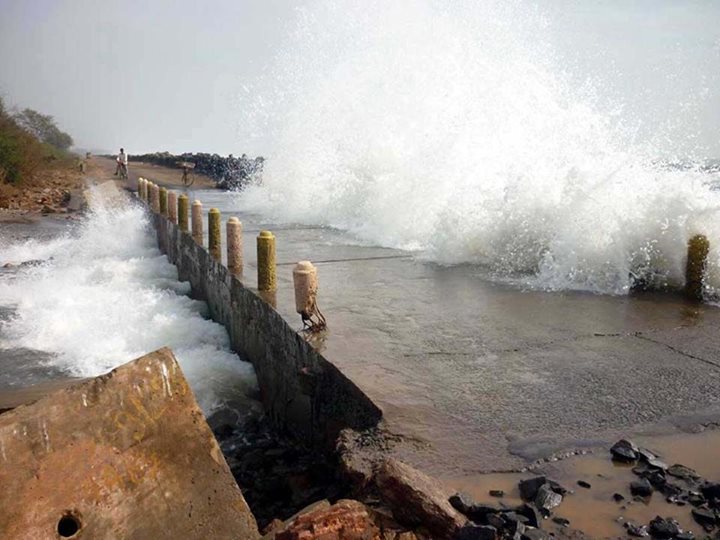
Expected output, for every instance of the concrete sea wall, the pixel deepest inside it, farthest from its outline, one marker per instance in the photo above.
(303, 392)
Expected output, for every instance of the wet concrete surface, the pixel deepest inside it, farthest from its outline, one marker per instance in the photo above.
(479, 376)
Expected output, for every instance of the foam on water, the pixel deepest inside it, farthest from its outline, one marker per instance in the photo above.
(105, 295)
(451, 129)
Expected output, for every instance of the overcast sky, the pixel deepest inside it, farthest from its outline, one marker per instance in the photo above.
(167, 75)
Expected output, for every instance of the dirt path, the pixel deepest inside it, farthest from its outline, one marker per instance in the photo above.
(163, 176)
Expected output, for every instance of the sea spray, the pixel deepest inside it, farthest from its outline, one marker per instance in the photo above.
(105, 295)
(452, 129)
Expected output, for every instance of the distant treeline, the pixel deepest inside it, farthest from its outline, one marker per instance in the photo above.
(229, 172)
(27, 140)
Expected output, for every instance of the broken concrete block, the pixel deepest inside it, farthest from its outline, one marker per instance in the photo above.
(125, 455)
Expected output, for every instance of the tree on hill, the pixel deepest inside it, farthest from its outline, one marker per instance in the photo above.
(43, 127)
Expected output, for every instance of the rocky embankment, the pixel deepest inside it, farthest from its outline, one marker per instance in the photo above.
(49, 191)
(401, 503)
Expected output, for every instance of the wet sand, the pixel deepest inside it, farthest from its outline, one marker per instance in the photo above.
(593, 511)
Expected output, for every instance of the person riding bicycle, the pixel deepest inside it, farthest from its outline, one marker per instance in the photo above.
(122, 161)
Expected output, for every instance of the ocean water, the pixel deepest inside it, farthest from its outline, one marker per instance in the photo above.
(457, 130)
(104, 295)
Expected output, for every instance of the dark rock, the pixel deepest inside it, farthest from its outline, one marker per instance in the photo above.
(496, 493)
(710, 490)
(687, 535)
(496, 520)
(624, 451)
(663, 528)
(513, 521)
(671, 490)
(530, 511)
(695, 498)
(462, 502)
(617, 497)
(657, 464)
(639, 531)
(529, 487)
(657, 479)
(547, 499)
(561, 521)
(584, 484)
(641, 488)
(681, 471)
(473, 531)
(557, 488)
(646, 455)
(704, 516)
(534, 534)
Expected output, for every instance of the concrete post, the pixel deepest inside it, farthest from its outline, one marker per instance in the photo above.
(172, 206)
(197, 222)
(140, 188)
(267, 280)
(183, 212)
(306, 286)
(155, 198)
(698, 249)
(143, 189)
(214, 241)
(163, 201)
(234, 246)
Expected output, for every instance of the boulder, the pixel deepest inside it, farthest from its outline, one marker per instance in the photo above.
(641, 488)
(529, 487)
(547, 499)
(681, 471)
(417, 499)
(704, 516)
(472, 531)
(344, 520)
(663, 528)
(624, 451)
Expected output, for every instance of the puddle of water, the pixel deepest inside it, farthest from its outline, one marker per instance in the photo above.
(593, 511)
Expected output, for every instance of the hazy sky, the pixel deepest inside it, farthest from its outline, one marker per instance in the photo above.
(144, 74)
(167, 75)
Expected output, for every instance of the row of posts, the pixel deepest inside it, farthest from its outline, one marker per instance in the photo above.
(175, 208)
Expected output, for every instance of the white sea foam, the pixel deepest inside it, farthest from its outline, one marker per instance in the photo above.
(106, 295)
(449, 128)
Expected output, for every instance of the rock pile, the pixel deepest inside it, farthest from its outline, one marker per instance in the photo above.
(496, 521)
(680, 485)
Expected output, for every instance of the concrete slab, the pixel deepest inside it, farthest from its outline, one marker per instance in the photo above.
(477, 375)
(124, 455)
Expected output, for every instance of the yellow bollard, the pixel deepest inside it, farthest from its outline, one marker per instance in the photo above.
(142, 189)
(172, 206)
(163, 201)
(214, 241)
(698, 249)
(197, 222)
(183, 212)
(234, 246)
(267, 280)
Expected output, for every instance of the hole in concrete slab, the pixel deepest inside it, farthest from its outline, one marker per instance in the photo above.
(69, 524)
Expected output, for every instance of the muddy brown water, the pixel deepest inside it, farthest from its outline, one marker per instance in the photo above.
(593, 511)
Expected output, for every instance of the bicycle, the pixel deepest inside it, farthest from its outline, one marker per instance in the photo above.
(188, 179)
(123, 170)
